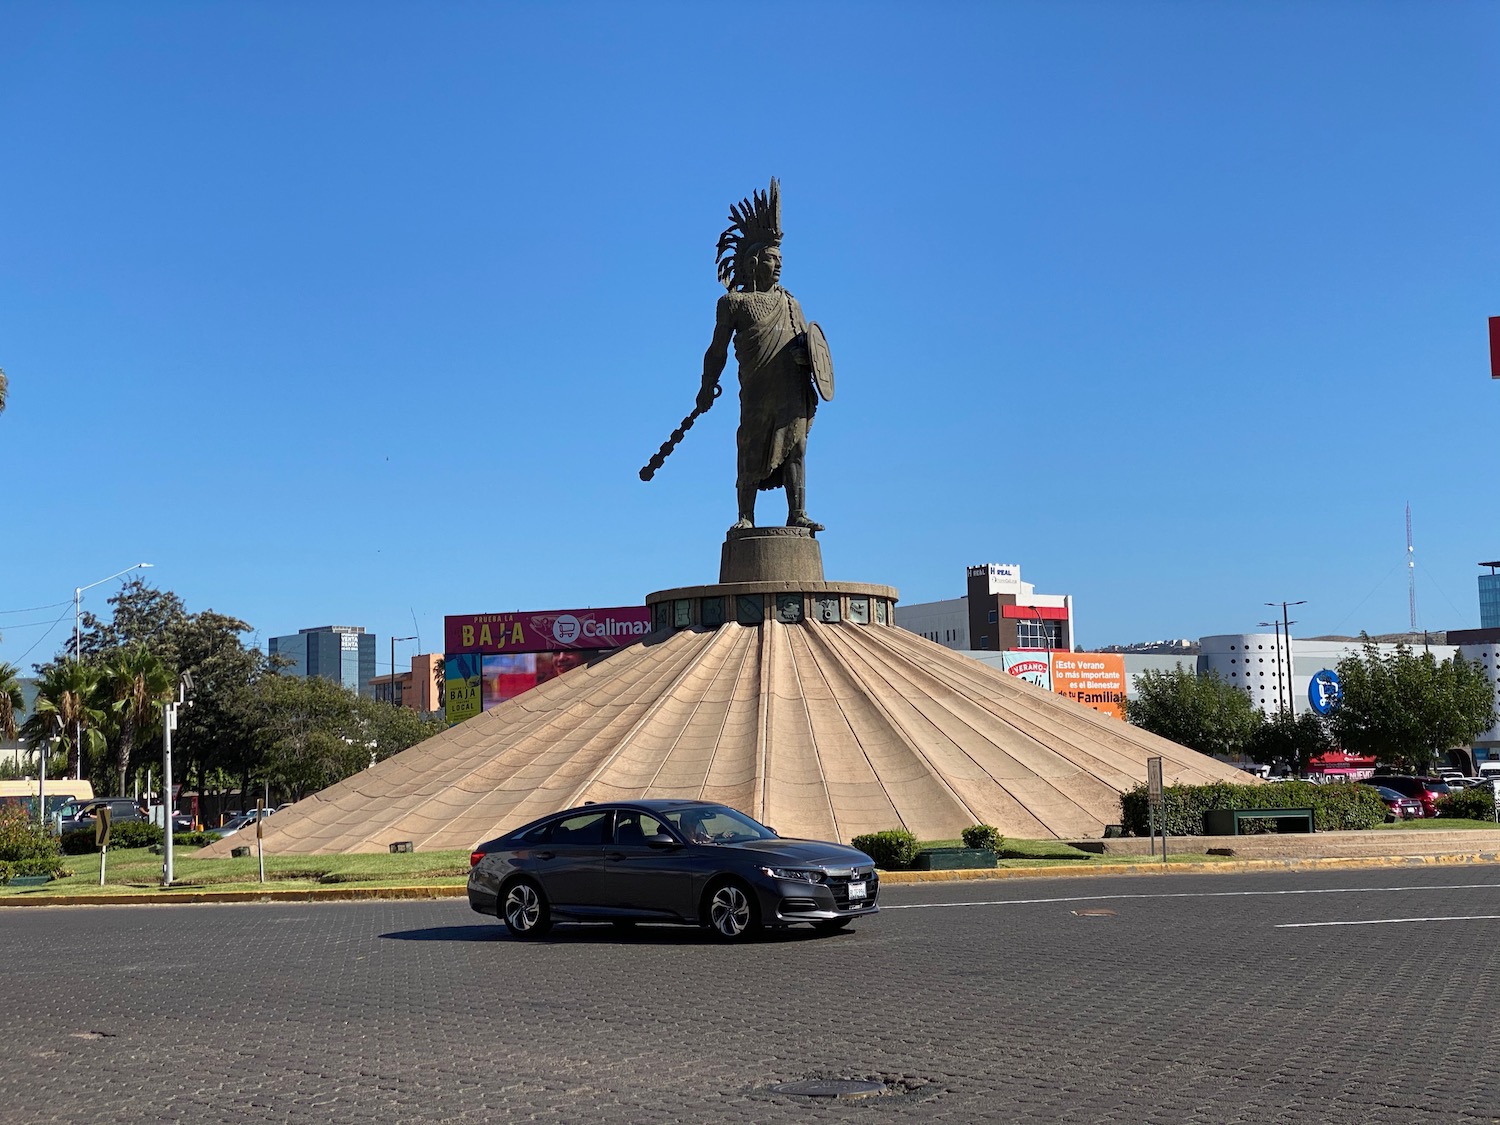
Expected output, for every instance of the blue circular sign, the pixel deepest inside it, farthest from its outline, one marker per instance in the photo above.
(1324, 691)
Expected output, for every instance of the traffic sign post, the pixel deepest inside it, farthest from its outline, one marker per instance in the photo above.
(1156, 805)
(101, 837)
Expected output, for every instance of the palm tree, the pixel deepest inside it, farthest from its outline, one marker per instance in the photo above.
(65, 705)
(133, 686)
(11, 701)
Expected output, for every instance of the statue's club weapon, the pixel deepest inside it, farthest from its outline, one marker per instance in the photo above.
(649, 470)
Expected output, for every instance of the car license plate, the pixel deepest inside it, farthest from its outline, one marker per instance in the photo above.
(856, 890)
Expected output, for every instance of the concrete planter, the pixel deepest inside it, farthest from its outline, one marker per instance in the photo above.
(953, 859)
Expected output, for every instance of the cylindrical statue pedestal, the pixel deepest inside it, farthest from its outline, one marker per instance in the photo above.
(770, 554)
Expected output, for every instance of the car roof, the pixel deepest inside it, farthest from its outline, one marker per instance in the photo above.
(649, 804)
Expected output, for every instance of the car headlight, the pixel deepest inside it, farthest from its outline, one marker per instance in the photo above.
(801, 874)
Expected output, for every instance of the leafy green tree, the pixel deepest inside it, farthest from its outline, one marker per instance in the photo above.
(11, 700)
(140, 615)
(390, 730)
(1203, 713)
(66, 708)
(1284, 738)
(314, 732)
(132, 687)
(1405, 708)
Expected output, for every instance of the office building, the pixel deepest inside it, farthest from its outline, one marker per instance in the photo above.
(342, 653)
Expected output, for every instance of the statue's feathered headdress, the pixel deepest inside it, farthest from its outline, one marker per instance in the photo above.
(753, 223)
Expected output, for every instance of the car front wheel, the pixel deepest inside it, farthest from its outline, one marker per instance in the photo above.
(732, 914)
(524, 910)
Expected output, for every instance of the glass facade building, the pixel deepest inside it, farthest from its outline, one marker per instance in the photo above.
(344, 653)
(1489, 600)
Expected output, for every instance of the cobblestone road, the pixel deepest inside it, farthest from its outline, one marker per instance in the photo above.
(1190, 1002)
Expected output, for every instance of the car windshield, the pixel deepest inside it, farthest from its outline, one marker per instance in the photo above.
(716, 824)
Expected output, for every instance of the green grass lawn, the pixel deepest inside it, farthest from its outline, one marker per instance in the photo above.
(1441, 822)
(1055, 853)
(131, 870)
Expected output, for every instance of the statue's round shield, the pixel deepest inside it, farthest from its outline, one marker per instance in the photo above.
(822, 362)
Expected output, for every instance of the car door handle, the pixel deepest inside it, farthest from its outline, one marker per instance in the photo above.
(546, 855)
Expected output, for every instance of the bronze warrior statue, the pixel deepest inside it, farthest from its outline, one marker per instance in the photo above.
(782, 360)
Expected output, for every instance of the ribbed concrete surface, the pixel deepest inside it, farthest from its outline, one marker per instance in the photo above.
(820, 730)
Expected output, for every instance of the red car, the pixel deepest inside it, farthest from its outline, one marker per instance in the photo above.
(1427, 790)
(1398, 806)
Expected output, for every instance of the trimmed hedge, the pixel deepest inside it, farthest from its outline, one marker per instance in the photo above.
(39, 866)
(1336, 807)
(126, 834)
(1476, 803)
(983, 836)
(891, 850)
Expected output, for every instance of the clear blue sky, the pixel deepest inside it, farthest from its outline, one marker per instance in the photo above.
(349, 313)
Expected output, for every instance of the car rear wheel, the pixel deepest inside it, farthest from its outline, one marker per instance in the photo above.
(731, 912)
(524, 910)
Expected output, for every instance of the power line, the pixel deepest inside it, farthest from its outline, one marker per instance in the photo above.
(35, 608)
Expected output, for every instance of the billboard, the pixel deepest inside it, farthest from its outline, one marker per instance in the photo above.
(1029, 666)
(506, 675)
(1095, 679)
(546, 631)
(461, 687)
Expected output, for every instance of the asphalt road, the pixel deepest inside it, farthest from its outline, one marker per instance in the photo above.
(1359, 996)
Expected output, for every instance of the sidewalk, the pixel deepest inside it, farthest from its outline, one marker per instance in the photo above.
(1314, 845)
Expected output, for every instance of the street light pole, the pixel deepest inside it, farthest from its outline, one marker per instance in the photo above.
(1277, 626)
(393, 665)
(1046, 635)
(1286, 630)
(168, 805)
(78, 647)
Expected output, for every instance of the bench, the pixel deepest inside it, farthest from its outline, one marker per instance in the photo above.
(1226, 822)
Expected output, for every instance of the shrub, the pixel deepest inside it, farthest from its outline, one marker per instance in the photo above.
(1335, 807)
(892, 849)
(134, 834)
(194, 839)
(983, 836)
(1476, 803)
(22, 838)
(80, 841)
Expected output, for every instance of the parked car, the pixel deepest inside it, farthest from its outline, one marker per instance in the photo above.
(1424, 789)
(688, 862)
(235, 823)
(1398, 805)
(121, 809)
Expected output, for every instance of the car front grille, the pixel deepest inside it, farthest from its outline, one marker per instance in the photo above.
(840, 888)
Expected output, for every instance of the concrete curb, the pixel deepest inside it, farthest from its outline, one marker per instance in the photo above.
(175, 897)
(377, 894)
(1228, 867)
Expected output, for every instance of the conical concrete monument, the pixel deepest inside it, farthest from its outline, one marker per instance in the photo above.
(793, 698)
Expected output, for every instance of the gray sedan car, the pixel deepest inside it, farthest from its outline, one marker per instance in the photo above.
(690, 862)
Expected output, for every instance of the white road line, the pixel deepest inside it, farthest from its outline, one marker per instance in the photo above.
(1390, 921)
(1185, 894)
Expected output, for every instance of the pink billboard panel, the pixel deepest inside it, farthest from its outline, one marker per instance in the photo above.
(547, 631)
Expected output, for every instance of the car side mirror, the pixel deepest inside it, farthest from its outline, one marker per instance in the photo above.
(660, 840)
(773, 831)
